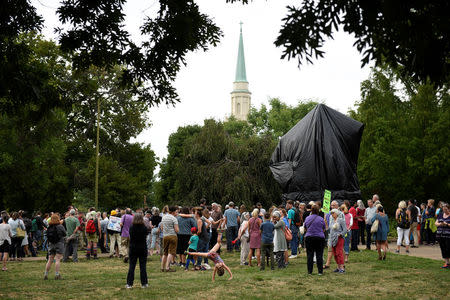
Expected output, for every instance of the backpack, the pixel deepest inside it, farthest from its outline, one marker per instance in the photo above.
(52, 234)
(34, 226)
(403, 220)
(297, 218)
(90, 227)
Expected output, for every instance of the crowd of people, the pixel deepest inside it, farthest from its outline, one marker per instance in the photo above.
(183, 235)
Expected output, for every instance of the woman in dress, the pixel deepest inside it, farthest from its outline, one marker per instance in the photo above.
(382, 232)
(243, 236)
(254, 232)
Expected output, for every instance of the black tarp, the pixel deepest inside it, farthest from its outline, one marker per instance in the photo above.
(320, 152)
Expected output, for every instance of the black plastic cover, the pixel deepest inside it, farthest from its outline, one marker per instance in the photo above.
(320, 152)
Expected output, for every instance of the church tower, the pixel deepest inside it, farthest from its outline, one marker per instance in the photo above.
(240, 96)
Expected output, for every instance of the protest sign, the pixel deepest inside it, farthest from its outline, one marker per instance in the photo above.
(114, 224)
(326, 201)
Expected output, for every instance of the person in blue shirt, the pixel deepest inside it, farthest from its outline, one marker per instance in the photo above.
(232, 220)
(193, 242)
(267, 229)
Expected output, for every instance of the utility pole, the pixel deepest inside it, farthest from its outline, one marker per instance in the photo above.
(97, 156)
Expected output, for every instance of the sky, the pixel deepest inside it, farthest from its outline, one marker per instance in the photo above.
(205, 83)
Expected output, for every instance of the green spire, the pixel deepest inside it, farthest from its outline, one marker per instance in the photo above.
(240, 67)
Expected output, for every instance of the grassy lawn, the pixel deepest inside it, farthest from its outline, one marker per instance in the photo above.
(400, 277)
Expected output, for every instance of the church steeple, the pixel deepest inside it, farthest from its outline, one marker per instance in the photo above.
(240, 96)
(241, 75)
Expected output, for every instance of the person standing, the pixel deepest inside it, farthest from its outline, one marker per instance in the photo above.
(55, 237)
(232, 221)
(103, 241)
(138, 250)
(92, 233)
(443, 234)
(125, 223)
(360, 211)
(72, 227)
(279, 240)
(314, 239)
(414, 212)
(294, 221)
(403, 217)
(382, 232)
(203, 236)
(17, 226)
(338, 229)
(267, 229)
(154, 222)
(5, 240)
(217, 217)
(368, 216)
(38, 229)
(354, 228)
(349, 222)
(169, 227)
(254, 232)
(114, 236)
(185, 224)
(243, 236)
(430, 221)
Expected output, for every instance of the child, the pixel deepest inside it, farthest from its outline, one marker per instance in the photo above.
(193, 242)
(267, 229)
(219, 265)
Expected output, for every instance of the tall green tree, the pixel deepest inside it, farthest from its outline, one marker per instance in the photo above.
(404, 150)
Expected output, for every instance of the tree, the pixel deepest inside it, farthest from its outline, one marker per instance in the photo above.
(47, 144)
(404, 150)
(410, 35)
(279, 118)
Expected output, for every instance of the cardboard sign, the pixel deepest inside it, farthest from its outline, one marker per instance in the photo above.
(114, 224)
(326, 201)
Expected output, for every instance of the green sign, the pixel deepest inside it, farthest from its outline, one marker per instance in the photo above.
(326, 201)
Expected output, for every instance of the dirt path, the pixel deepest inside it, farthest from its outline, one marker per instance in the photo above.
(433, 252)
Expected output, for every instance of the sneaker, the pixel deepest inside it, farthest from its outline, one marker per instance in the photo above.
(58, 277)
(206, 266)
(293, 256)
(397, 251)
(45, 276)
(170, 270)
(320, 274)
(445, 266)
(407, 251)
(144, 286)
(341, 271)
(128, 286)
(326, 267)
(337, 270)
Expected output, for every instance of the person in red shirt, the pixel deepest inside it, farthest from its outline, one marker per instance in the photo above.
(354, 228)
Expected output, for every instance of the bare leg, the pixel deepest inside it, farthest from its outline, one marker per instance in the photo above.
(258, 257)
(329, 257)
(218, 244)
(57, 263)
(202, 254)
(379, 249)
(49, 263)
(163, 262)
(250, 255)
(5, 259)
(170, 258)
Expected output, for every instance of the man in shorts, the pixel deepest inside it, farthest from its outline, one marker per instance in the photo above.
(169, 226)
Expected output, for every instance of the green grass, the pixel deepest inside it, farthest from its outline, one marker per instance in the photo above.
(400, 277)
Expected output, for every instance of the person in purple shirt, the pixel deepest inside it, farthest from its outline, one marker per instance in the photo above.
(125, 223)
(314, 239)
